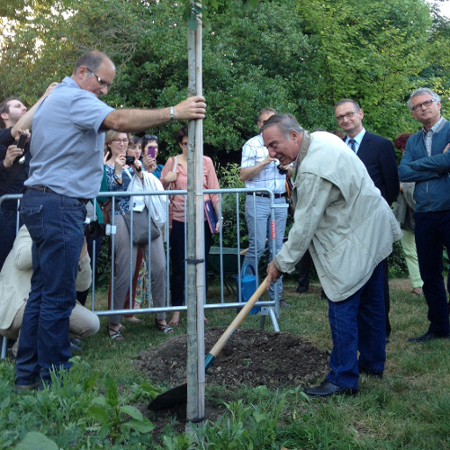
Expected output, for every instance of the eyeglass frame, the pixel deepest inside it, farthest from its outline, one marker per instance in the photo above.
(101, 82)
(121, 141)
(151, 137)
(426, 103)
(349, 115)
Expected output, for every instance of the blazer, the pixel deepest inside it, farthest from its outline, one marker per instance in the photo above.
(378, 155)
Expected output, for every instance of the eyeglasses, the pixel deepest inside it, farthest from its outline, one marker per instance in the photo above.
(121, 141)
(101, 82)
(427, 104)
(151, 137)
(345, 116)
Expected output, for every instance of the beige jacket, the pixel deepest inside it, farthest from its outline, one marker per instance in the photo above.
(15, 277)
(339, 215)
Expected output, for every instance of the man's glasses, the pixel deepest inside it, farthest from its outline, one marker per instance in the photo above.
(121, 141)
(427, 104)
(345, 116)
(151, 137)
(101, 82)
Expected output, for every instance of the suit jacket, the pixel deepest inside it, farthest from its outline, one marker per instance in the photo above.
(378, 155)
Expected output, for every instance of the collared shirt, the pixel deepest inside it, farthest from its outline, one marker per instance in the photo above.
(253, 153)
(428, 134)
(358, 139)
(67, 145)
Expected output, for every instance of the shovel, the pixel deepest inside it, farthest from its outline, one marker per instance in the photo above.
(178, 395)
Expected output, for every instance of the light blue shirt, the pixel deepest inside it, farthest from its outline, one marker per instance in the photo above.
(358, 139)
(67, 145)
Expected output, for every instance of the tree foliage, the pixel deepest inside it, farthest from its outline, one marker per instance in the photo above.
(296, 57)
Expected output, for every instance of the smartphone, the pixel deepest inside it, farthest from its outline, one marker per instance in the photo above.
(151, 151)
(21, 144)
(22, 140)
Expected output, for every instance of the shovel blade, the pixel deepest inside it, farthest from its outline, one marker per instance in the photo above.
(172, 397)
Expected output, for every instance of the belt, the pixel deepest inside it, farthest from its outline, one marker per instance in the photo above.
(262, 194)
(47, 189)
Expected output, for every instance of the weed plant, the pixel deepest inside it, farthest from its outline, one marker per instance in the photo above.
(98, 403)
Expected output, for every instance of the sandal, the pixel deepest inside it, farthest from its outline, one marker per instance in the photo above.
(115, 335)
(163, 328)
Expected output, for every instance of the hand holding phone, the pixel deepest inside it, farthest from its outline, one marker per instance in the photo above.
(151, 151)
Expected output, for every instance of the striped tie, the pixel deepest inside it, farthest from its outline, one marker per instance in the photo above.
(351, 143)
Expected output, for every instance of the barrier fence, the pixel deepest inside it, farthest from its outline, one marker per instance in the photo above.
(224, 262)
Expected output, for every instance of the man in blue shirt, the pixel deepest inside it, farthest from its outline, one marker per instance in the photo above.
(65, 171)
(426, 162)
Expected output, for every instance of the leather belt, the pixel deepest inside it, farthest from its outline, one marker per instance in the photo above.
(47, 189)
(262, 194)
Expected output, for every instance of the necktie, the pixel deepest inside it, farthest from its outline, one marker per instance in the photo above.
(351, 143)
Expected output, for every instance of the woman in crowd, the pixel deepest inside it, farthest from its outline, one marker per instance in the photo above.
(174, 177)
(135, 147)
(119, 176)
(404, 212)
(150, 153)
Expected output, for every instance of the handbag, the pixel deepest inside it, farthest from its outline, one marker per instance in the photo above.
(106, 210)
(140, 226)
(171, 197)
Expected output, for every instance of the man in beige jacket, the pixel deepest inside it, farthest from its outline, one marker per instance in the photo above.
(349, 229)
(15, 284)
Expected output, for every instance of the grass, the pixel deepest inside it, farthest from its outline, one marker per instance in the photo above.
(408, 409)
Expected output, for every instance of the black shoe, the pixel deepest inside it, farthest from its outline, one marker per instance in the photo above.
(370, 373)
(428, 337)
(326, 388)
(301, 289)
(284, 304)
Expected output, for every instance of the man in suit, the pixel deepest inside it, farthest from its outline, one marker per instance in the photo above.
(378, 155)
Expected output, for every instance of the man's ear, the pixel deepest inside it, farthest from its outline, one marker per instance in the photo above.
(4, 115)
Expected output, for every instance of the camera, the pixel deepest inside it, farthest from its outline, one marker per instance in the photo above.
(93, 229)
(129, 160)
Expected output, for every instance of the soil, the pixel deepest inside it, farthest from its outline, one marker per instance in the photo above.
(251, 357)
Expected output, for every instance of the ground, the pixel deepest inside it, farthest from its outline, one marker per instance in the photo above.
(251, 357)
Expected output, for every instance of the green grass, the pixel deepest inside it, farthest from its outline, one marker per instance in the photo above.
(408, 409)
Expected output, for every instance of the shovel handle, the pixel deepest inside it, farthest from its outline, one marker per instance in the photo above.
(238, 319)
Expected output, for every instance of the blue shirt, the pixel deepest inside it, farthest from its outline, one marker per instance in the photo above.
(67, 145)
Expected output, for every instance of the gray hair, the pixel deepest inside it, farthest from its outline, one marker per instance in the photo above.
(93, 60)
(422, 91)
(285, 122)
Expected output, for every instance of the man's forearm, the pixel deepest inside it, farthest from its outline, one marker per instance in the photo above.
(250, 172)
(132, 120)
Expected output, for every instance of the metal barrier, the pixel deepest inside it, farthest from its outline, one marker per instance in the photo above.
(268, 308)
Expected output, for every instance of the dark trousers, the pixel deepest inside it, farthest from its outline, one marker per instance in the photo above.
(8, 226)
(177, 259)
(357, 326)
(304, 267)
(387, 301)
(432, 234)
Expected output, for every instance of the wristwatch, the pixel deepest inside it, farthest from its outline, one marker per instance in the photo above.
(117, 179)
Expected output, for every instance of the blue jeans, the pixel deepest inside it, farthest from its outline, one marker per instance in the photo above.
(55, 223)
(432, 234)
(257, 214)
(8, 225)
(358, 324)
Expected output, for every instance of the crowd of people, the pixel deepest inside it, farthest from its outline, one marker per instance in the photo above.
(341, 188)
